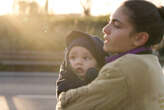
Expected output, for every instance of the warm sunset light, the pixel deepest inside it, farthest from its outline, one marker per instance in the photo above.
(98, 7)
(6, 7)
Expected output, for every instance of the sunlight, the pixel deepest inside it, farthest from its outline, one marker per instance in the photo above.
(6, 7)
(105, 7)
(73, 6)
(98, 7)
(65, 6)
(3, 103)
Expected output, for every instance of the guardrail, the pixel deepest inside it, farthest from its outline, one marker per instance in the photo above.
(31, 58)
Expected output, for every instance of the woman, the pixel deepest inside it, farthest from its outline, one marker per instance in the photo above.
(132, 79)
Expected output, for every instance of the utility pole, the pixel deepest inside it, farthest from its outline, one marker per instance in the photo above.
(15, 2)
(86, 5)
(46, 7)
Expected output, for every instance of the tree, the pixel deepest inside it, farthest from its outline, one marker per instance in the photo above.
(14, 5)
(86, 5)
(23, 6)
(46, 7)
(33, 8)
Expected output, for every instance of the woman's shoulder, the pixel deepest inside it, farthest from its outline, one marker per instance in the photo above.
(129, 63)
(139, 57)
(131, 59)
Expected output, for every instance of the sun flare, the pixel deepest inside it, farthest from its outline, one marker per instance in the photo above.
(6, 7)
(98, 7)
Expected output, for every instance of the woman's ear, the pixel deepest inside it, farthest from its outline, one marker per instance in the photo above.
(141, 38)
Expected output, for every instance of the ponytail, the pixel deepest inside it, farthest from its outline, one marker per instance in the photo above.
(161, 11)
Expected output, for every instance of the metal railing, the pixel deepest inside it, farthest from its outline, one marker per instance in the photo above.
(30, 58)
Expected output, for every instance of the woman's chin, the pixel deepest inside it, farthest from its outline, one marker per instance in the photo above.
(106, 49)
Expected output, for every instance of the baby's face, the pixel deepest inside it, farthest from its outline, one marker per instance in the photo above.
(81, 60)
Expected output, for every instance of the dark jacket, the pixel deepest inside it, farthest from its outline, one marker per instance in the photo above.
(68, 80)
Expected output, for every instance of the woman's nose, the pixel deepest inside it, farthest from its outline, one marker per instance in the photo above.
(106, 29)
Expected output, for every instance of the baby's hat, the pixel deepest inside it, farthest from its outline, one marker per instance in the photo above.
(92, 43)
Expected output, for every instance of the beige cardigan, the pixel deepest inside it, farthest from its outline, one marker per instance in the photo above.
(132, 82)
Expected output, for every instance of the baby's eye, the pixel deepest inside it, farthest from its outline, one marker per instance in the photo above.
(72, 57)
(86, 58)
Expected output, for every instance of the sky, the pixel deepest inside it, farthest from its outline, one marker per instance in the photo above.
(98, 7)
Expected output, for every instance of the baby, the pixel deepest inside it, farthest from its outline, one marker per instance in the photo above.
(84, 56)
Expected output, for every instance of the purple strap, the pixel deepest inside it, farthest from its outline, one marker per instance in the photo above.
(133, 51)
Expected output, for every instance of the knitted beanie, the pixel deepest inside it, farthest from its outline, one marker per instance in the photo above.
(91, 43)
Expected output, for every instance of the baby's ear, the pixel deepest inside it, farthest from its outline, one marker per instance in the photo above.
(91, 75)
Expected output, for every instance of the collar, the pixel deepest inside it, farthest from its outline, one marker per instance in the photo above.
(133, 51)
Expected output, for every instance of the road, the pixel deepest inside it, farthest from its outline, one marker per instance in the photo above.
(27, 91)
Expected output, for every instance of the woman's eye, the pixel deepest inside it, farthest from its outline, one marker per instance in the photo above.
(115, 25)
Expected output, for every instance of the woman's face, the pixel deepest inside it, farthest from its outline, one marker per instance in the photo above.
(119, 33)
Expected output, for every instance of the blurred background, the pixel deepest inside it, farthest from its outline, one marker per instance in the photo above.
(32, 41)
(33, 31)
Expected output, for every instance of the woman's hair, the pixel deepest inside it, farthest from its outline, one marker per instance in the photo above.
(146, 17)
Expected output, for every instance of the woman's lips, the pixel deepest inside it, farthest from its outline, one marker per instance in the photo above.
(106, 39)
